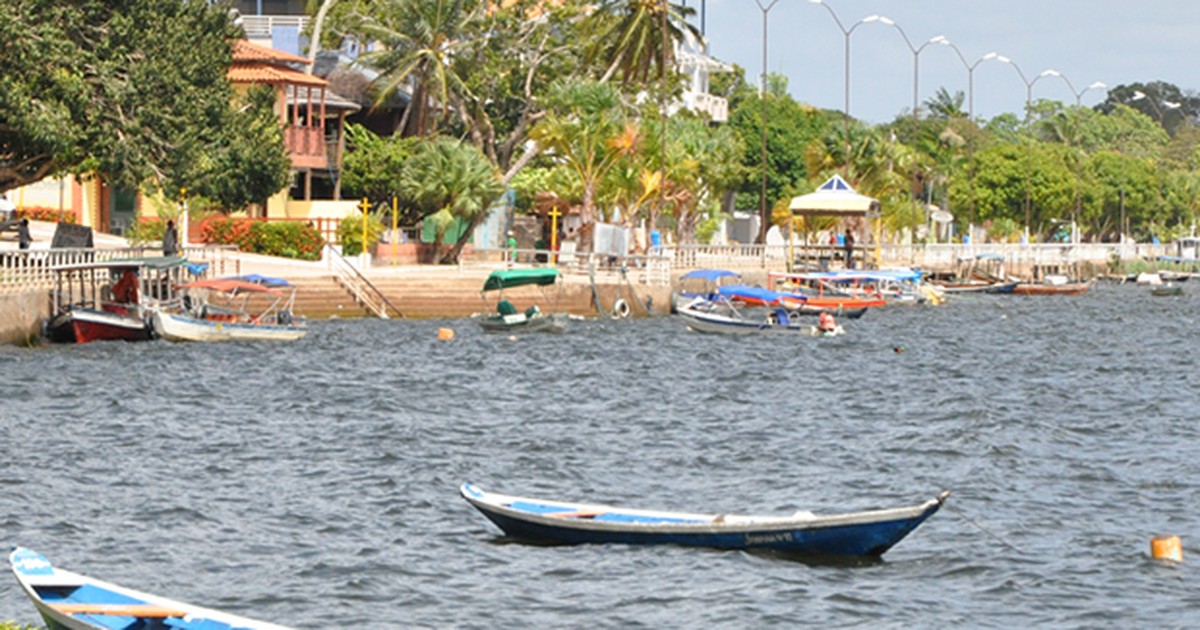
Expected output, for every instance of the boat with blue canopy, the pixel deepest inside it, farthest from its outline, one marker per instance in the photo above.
(77, 602)
(864, 533)
(701, 283)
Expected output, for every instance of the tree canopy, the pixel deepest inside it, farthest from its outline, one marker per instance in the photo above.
(134, 91)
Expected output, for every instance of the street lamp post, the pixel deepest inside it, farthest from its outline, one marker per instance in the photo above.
(846, 33)
(916, 52)
(1098, 85)
(762, 95)
(1029, 146)
(971, 117)
(1139, 95)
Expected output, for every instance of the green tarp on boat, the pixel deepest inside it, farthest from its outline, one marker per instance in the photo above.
(541, 276)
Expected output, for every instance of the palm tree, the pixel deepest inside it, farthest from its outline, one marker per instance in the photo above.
(450, 179)
(630, 37)
(586, 128)
(421, 41)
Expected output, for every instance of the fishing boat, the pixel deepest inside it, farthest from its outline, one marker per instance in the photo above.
(867, 533)
(1166, 290)
(724, 317)
(76, 602)
(891, 286)
(1052, 285)
(112, 300)
(232, 309)
(506, 317)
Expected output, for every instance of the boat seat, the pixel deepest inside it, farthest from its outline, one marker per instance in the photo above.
(781, 317)
(532, 310)
(506, 308)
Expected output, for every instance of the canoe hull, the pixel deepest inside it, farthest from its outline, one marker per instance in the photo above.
(76, 602)
(1078, 288)
(857, 534)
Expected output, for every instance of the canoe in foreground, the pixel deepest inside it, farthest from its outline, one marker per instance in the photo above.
(869, 533)
(73, 601)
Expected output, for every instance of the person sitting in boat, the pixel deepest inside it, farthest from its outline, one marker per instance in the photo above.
(125, 290)
(825, 322)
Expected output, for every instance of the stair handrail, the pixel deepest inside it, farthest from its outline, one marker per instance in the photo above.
(359, 285)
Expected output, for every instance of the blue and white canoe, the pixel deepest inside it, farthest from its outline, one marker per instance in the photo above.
(76, 602)
(869, 533)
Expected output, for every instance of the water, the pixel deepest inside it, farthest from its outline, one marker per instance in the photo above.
(315, 484)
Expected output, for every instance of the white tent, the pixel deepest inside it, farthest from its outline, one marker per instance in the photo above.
(835, 198)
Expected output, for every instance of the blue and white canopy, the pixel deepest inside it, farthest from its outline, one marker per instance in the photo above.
(835, 198)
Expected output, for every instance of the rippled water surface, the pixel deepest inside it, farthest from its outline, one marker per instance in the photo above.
(315, 484)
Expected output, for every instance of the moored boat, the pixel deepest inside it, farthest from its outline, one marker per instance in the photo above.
(1052, 285)
(77, 602)
(218, 310)
(865, 533)
(507, 318)
(111, 300)
(724, 318)
(701, 283)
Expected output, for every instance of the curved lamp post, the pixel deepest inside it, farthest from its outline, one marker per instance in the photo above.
(762, 95)
(1098, 85)
(971, 117)
(1139, 95)
(846, 33)
(1029, 147)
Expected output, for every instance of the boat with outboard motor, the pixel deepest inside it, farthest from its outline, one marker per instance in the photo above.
(723, 316)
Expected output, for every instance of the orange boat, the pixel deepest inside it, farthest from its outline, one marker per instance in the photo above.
(818, 296)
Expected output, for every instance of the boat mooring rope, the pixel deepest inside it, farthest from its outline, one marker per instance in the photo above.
(981, 527)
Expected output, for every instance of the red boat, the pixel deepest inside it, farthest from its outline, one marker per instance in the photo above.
(111, 300)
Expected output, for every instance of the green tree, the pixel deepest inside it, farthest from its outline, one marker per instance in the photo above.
(448, 179)
(135, 91)
(374, 168)
(588, 129)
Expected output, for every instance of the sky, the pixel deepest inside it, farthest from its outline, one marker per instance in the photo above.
(1117, 42)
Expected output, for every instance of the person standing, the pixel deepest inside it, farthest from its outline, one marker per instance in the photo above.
(848, 244)
(512, 247)
(23, 237)
(170, 240)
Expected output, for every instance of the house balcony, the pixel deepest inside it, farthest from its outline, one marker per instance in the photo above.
(306, 146)
(715, 107)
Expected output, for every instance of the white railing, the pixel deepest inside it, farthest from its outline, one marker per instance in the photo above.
(34, 268)
(260, 26)
(351, 279)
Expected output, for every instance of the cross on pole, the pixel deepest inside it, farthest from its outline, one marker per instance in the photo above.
(554, 214)
(365, 206)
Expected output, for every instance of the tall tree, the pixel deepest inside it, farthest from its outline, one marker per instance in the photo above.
(629, 36)
(136, 92)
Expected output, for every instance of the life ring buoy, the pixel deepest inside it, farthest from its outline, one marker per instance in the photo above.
(620, 309)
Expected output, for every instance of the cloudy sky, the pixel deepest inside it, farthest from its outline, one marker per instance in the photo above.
(1111, 41)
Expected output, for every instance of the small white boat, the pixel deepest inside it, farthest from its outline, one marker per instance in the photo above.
(77, 602)
(203, 320)
(705, 316)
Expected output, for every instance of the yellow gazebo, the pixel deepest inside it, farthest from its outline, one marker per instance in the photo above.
(837, 198)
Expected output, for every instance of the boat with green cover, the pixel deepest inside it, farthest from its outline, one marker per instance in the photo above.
(506, 317)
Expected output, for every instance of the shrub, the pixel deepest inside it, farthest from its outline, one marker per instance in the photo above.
(350, 233)
(289, 239)
(145, 231)
(40, 213)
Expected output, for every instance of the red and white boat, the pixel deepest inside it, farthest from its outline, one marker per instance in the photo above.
(111, 300)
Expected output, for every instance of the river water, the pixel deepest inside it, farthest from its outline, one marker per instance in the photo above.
(314, 484)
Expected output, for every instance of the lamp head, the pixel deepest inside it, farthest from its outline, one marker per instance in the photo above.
(1138, 95)
(940, 39)
(1171, 105)
(1050, 73)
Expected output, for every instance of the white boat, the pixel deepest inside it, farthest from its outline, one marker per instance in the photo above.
(77, 602)
(724, 318)
(202, 319)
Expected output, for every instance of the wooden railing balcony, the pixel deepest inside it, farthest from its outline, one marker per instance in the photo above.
(306, 146)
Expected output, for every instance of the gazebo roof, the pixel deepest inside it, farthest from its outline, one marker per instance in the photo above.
(834, 198)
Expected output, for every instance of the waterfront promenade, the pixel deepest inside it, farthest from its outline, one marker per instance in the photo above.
(592, 285)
